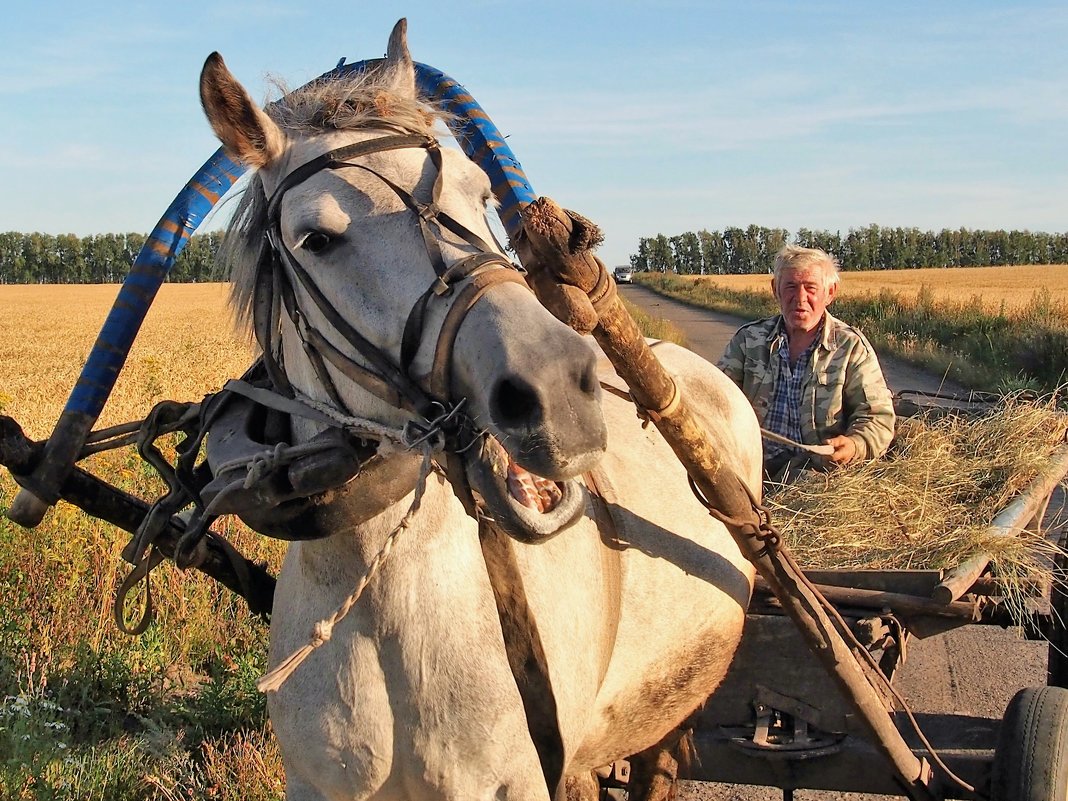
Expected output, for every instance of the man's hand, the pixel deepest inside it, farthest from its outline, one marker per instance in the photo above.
(844, 449)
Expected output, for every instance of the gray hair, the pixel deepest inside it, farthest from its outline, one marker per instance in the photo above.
(795, 257)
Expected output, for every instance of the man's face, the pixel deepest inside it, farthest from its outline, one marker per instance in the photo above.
(803, 297)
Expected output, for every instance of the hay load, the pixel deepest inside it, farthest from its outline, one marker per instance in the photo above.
(929, 502)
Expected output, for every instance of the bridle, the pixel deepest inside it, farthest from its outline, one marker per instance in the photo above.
(393, 382)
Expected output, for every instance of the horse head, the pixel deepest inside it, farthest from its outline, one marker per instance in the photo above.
(362, 258)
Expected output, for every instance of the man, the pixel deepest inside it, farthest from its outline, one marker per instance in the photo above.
(810, 377)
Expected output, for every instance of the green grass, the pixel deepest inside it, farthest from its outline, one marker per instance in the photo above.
(1007, 350)
(655, 327)
(89, 713)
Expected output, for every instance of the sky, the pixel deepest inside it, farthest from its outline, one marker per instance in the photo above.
(646, 118)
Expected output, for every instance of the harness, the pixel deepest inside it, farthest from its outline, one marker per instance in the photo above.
(280, 489)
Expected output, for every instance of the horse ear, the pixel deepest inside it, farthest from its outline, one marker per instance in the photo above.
(399, 60)
(248, 135)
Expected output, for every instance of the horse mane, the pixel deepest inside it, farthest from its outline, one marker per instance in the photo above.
(359, 100)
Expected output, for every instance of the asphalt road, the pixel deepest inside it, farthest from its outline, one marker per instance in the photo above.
(973, 670)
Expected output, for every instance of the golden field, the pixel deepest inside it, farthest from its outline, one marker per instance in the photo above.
(187, 347)
(173, 713)
(1012, 286)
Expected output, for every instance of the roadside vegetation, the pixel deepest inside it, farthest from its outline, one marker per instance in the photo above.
(1007, 344)
(87, 712)
(655, 327)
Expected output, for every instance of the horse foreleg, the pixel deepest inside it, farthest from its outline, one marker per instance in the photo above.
(582, 787)
(654, 771)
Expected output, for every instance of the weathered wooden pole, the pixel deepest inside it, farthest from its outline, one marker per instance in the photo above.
(556, 249)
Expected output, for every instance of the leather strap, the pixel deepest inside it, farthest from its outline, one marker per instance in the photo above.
(441, 377)
(526, 654)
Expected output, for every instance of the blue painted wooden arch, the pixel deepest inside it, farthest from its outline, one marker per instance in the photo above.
(473, 129)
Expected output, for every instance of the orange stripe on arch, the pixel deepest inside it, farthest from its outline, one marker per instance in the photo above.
(206, 193)
(170, 226)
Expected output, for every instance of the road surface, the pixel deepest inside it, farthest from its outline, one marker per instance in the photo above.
(973, 670)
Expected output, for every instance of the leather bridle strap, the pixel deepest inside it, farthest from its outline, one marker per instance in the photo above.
(440, 378)
(338, 158)
(426, 212)
(391, 382)
(525, 652)
(467, 268)
(402, 390)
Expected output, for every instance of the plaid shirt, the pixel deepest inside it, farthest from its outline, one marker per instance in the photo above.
(784, 412)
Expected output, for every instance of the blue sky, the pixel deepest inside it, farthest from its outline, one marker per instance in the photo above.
(646, 118)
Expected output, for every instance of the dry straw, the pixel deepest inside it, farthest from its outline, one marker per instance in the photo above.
(928, 503)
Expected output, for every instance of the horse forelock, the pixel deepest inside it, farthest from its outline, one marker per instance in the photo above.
(358, 101)
(240, 249)
(355, 101)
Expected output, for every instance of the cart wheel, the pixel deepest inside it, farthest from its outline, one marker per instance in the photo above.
(1058, 630)
(1031, 761)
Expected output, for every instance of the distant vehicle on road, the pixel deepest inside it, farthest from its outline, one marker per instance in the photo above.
(623, 275)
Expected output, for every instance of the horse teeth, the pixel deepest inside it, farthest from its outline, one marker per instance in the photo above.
(533, 492)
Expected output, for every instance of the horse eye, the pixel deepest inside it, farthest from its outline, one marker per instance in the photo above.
(316, 242)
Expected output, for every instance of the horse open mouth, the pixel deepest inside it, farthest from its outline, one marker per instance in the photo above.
(530, 490)
(528, 507)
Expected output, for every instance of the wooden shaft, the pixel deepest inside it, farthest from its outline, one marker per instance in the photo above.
(556, 248)
(99, 499)
(896, 602)
(653, 388)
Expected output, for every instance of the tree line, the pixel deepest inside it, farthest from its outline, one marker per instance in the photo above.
(38, 258)
(104, 258)
(752, 249)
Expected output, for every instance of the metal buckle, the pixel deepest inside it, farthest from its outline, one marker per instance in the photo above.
(427, 211)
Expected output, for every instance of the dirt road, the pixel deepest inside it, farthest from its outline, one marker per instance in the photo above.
(974, 670)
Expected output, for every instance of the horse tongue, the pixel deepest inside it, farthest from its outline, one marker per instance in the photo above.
(532, 491)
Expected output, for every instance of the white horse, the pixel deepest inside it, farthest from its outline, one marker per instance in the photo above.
(413, 698)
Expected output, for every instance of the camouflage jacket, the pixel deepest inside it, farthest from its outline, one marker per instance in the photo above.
(844, 394)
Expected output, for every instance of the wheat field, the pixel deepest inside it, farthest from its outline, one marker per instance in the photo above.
(70, 682)
(187, 347)
(1013, 286)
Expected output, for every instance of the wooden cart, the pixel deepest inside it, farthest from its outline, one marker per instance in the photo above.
(779, 720)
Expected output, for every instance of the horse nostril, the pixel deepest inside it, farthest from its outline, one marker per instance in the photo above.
(588, 382)
(515, 402)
